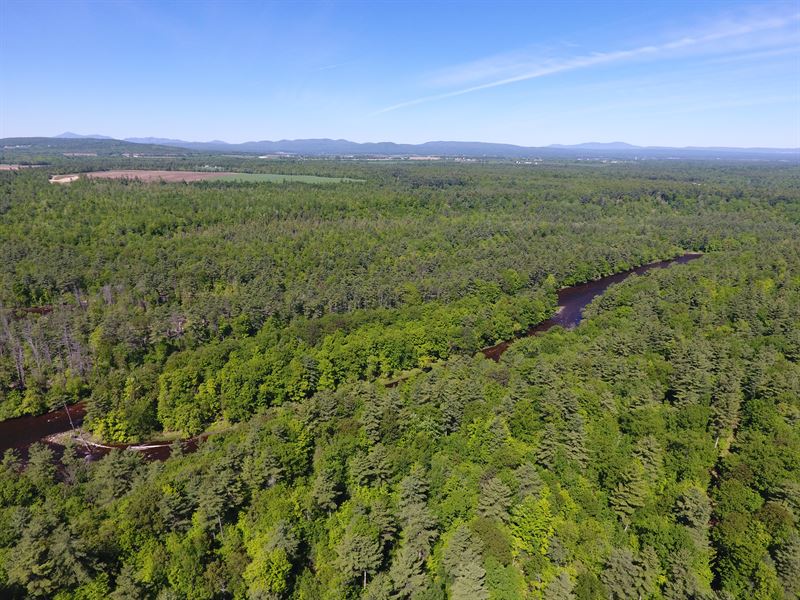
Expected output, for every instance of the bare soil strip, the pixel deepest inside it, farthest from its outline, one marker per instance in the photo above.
(146, 176)
(63, 178)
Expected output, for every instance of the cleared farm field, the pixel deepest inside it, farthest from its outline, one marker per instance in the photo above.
(188, 176)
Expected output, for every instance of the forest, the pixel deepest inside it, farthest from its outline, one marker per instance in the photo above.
(320, 346)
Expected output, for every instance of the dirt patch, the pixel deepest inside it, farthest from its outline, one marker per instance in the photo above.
(63, 178)
(142, 175)
(167, 176)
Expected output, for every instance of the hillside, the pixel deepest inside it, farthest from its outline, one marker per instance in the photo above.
(16, 149)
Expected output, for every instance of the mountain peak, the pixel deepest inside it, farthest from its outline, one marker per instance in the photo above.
(68, 135)
(598, 146)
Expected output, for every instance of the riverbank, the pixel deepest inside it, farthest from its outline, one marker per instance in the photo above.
(57, 427)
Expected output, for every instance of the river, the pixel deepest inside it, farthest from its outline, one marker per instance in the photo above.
(20, 433)
(572, 300)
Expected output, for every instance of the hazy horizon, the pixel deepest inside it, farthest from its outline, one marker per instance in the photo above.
(670, 74)
(158, 140)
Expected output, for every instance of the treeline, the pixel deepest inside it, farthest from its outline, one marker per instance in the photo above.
(653, 452)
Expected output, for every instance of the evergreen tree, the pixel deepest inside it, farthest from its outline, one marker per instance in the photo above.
(380, 588)
(788, 492)
(726, 401)
(359, 551)
(589, 587)
(560, 588)
(530, 482)
(549, 447)
(413, 489)
(629, 493)
(621, 574)
(74, 465)
(691, 372)
(175, 508)
(115, 475)
(327, 489)
(787, 563)
(650, 453)
(627, 576)
(463, 564)
(371, 467)
(418, 531)
(681, 581)
(127, 585)
(693, 509)
(41, 468)
(372, 414)
(494, 500)
(454, 397)
(47, 558)
(574, 439)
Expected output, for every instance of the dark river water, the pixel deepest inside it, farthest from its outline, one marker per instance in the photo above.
(22, 432)
(572, 300)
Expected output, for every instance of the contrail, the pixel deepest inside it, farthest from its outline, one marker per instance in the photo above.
(602, 58)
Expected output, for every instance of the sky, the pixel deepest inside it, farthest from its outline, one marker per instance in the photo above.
(675, 73)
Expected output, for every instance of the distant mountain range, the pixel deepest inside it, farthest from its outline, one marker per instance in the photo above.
(68, 135)
(27, 148)
(329, 147)
(599, 146)
(326, 146)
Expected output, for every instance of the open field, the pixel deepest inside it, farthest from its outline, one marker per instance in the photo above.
(189, 176)
(64, 178)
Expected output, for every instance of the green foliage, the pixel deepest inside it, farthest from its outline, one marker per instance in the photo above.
(787, 562)
(630, 492)
(495, 499)
(652, 452)
(464, 567)
(532, 524)
(630, 576)
(47, 557)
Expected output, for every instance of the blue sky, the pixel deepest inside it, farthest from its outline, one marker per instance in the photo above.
(532, 73)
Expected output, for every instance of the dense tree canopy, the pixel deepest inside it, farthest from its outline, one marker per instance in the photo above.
(653, 452)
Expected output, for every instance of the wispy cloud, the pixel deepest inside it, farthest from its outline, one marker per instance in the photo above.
(663, 105)
(673, 47)
(497, 66)
(748, 56)
(334, 66)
